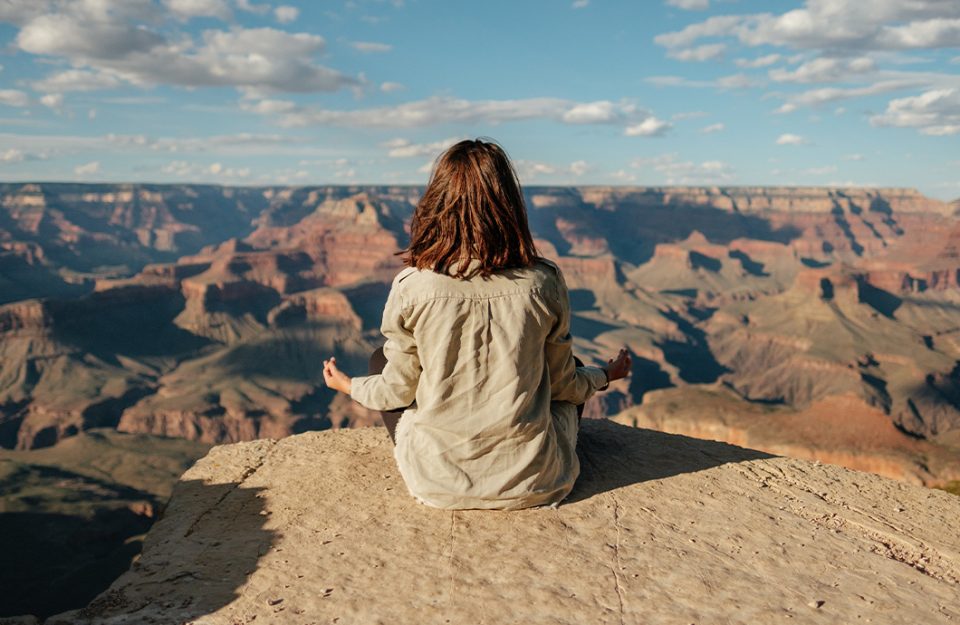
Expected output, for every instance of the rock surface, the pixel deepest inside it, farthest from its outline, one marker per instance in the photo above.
(661, 528)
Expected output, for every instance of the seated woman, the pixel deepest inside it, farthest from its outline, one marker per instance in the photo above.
(478, 376)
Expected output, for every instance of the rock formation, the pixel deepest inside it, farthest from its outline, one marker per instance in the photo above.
(204, 312)
(319, 528)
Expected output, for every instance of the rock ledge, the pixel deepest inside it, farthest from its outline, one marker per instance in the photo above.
(319, 528)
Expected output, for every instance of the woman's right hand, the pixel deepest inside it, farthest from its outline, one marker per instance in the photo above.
(618, 367)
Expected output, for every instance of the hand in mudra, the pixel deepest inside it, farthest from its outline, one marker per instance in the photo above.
(618, 367)
(335, 379)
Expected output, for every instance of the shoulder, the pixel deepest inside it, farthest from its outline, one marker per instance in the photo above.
(550, 269)
(549, 264)
(400, 285)
(405, 273)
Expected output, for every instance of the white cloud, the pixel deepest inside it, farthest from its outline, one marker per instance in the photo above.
(185, 170)
(688, 115)
(12, 155)
(531, 170)
(14, 97)
(835, 25)
(676, 171)
(853, 157)
(848, 48)
(391, 87)
(705, 52)
(820, 171)
(286, 14)
(732, 81)
(371, 46)
(115, 43)
(578, 168)
(76, 80)
(580, 4)
(87, 169)
(712, 128)
(935, 112)
(601, 112)
(790, 139)
(763, 61)
(250, 7)
(690, 5)
(444, 110)
(718, 25)
(53, 101)
(650, 127)
(786, 107)
(825, 69)
(403, 148)
(187, 9)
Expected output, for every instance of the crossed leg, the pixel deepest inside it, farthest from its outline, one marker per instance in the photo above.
(392, 417)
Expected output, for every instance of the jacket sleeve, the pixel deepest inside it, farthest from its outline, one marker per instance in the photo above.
(568, 382)
(395, 387)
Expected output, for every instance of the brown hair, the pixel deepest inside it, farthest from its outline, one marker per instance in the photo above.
(472, 208)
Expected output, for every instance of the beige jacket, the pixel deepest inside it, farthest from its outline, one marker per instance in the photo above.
(490, 367)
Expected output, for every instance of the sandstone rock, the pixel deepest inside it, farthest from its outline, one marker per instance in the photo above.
(660, 529)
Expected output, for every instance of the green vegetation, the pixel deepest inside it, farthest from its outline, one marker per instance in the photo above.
(72, 517)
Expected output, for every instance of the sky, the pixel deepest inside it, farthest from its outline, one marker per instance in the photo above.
(659, 92)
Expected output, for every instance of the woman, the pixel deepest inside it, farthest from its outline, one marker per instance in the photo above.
(477, 375)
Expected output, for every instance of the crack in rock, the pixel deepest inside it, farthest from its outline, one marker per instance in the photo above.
(248, 473)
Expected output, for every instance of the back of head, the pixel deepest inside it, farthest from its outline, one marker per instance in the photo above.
(472, 209)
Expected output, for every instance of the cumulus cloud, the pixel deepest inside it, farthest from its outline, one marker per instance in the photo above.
(107, 43)
(76, 80)
(53, 101)
(650, 127)
(848, 48)
(185, 170)
(286, 14)
(825, 69)
(250, 7)
(87, 169)
(404, 148)
(677, 171)
(532, 170)
(705, 52)
(732, 81)
(790, 139)
(761, 61)
(188, 9)
(370, 46)
(12, 155)
(14, 97)
(820, 171)
(836, 24)
(935, 112)
(391, 87)
(690, 5)
(445, 110)
(712, 128)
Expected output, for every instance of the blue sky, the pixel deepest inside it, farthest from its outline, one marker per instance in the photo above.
(673, 92)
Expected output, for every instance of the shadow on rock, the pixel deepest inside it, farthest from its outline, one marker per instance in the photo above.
(188, 560)
(613, 456)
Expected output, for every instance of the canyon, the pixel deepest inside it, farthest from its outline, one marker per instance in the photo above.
(204, 312)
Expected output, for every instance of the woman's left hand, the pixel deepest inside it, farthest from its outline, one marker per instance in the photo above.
(335, 379)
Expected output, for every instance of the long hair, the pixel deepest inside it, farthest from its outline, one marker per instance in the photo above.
(472, 209)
